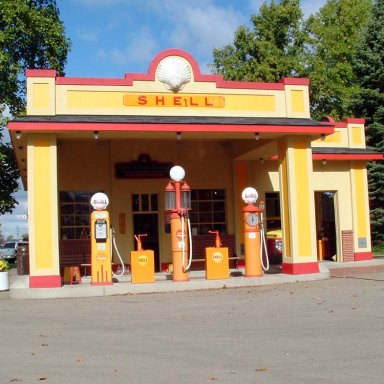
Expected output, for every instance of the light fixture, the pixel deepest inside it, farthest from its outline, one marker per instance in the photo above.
(261, 160)
(18, 134)
(324, 161)
(96, 135)
(257, 136)
(322, 136)
(178, 136)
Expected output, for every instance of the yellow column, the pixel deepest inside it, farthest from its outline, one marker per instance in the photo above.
(43, 212)
(297, 206)
(360, 211)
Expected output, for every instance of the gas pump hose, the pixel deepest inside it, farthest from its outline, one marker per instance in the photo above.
(263, 244)
(118, 254)
(183, 244)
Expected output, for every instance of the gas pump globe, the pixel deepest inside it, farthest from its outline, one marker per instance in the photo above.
(178, 203)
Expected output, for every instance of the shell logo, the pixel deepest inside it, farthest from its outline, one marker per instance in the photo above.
(142, 260)
(217, 257)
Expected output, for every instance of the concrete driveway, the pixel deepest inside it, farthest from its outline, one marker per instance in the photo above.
(325, 331)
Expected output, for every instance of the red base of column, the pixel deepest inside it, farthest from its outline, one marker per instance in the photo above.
(300, 268)
(361, 256)
(45, 281)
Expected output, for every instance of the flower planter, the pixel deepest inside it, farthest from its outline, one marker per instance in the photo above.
(4, 281)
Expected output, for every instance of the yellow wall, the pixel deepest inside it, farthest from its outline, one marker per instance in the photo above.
(42, 205)
(46, 97)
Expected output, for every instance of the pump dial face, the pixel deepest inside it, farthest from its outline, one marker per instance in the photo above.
(252, 219)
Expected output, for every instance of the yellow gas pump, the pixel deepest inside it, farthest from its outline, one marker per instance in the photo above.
(216, 260)
(101, 266)
(178, 203)
(252, 240)
(142, 263)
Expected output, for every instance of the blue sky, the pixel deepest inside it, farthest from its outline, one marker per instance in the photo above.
(113, 37)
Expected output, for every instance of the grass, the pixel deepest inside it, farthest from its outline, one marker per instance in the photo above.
(378, 249)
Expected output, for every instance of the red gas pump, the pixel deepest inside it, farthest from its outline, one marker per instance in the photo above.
(252, 239)
(178, 203)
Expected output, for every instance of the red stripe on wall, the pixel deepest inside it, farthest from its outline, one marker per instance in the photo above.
(52, 281)
(361, 256)
(300, 268)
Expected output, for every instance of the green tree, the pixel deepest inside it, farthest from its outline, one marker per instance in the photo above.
(272, 50)
(283, 44)
(334, 35)
(31, 36)
(369, 103)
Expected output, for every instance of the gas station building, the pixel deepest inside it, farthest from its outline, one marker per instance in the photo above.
(122, 136)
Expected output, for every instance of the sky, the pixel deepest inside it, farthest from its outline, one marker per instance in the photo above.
(112, 37)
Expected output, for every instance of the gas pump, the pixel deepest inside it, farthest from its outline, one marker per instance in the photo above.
(101, 266)
(254, 237)
(178, 203)
(216, 260)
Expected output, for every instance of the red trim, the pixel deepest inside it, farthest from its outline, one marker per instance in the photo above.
(300, 268)
(295, 81)
(198, 76)
(361, 256)
(344, 123)
(40, 73)
(52, 281)
(150, 127)
(354, 120)
(348, 156)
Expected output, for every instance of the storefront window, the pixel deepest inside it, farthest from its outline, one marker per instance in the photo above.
(208, 211)
(75, 211)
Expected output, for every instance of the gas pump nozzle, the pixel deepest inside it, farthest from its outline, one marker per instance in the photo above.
(139, 242)
(218, 243)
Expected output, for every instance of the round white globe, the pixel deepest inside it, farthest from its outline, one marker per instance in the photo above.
(177, 173)
(99, 201)
(249, 195)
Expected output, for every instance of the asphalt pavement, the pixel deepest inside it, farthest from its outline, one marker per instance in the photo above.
(321, 331)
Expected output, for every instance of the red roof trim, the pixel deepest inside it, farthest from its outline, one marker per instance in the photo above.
(163, 127)
(198, 76)
(295, 81)
(344, 123)
(348, 156)
(40, 73)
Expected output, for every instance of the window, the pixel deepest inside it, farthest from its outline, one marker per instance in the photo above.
(144, 202)
(208, 211)
(75, 211)
(272, 207)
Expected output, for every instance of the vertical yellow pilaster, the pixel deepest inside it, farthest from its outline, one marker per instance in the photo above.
(297, 206)
(43, 212)
(360, 211)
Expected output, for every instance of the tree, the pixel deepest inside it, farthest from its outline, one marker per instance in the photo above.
(334, 34)
(271, 51)
(31, 36)
(369, 103)
(283, 44)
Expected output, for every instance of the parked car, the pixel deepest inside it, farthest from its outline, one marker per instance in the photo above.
(274, 237)
(9, 250)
